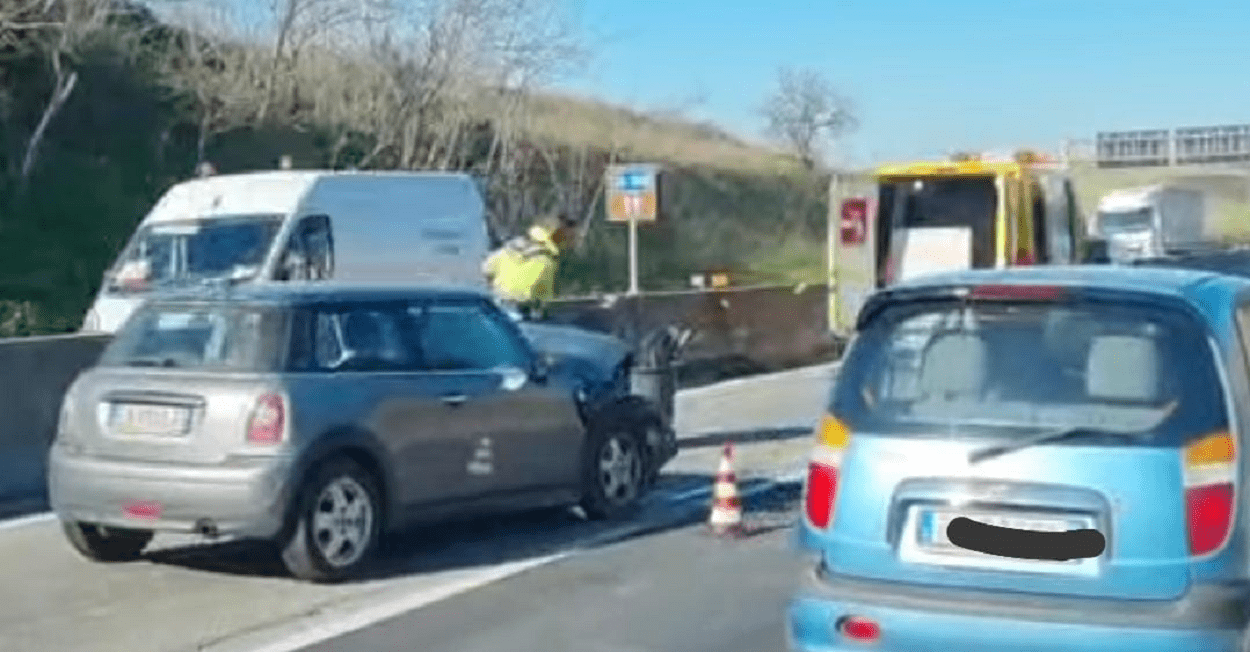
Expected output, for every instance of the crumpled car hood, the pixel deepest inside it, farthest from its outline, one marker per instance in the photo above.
(600, 351)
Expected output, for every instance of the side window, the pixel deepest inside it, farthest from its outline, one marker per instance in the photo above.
(361, 338)
(309, 254)
(468, 338)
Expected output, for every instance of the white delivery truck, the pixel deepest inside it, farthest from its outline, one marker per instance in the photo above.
(287, 226)
(1151, 221)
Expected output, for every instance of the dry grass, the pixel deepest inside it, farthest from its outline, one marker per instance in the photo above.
(586, 123)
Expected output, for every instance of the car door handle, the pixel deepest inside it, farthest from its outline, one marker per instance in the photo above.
(454, 399)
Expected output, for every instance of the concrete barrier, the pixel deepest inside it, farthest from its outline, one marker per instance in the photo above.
(34, 374)
(737, 331)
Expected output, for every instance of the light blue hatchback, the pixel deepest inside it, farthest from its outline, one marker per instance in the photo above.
(1043, 459)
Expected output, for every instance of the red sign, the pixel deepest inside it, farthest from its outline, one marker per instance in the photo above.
(854, 221)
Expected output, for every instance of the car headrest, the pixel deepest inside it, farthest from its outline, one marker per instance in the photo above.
(1123, 368)
(954, 364)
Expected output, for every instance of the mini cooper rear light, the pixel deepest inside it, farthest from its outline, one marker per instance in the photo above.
(268, 420)
(1210, 473)
(821, 489)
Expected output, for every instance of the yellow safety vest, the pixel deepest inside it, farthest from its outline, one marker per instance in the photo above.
(524, 274)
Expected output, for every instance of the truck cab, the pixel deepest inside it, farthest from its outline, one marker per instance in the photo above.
(1150, 221)
(902, 221)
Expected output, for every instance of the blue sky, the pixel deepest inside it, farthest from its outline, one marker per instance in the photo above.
(930, 76)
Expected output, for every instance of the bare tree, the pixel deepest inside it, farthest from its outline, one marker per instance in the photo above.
(803, 110)
(223, 81)
(56, 30)
(300, 24)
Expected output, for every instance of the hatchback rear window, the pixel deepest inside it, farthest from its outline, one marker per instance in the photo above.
(229, 338)
(989, 369)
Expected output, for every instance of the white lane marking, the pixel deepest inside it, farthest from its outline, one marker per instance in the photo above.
(327, 626)
(23, 521)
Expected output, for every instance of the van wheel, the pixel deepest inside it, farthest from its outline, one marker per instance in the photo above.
(613, 471)
(338, 523)
(99, 543)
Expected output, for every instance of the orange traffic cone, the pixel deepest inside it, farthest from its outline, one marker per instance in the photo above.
(726, 515)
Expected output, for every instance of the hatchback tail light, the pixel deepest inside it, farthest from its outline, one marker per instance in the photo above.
(821, 490)
(268, 422)
(859, 629)
(1210, 473)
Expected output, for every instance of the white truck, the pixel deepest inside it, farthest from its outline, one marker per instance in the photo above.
(1151, 221)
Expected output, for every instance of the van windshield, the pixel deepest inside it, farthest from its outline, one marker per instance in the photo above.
(190, 251)
(212, 336)
(989, 369)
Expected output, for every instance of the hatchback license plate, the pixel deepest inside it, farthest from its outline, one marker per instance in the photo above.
(139, 418)
(933, 525)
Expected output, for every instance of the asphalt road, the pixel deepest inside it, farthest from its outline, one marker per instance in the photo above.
(681, 591)
(189, 596)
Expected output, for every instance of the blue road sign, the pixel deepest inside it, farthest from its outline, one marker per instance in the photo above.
(633, 180)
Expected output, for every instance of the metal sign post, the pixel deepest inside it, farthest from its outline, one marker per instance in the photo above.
(633, 197)
(631, 212)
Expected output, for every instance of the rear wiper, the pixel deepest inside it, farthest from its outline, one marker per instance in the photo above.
(997, 450)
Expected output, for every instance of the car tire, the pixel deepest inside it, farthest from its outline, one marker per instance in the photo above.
(99, 543)
(337, 523)
(614, 471)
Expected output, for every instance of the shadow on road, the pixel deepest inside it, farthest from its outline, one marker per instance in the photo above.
(743, 437)
(477, 542)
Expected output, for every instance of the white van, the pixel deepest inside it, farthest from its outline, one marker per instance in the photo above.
(281, 226)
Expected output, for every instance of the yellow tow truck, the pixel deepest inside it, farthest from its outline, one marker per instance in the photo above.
(903, 220)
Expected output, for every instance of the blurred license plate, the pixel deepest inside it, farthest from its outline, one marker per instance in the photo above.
(138, 418)
(933, 526)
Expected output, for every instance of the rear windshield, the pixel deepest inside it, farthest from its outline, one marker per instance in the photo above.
(228, 338)
(992, 369)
